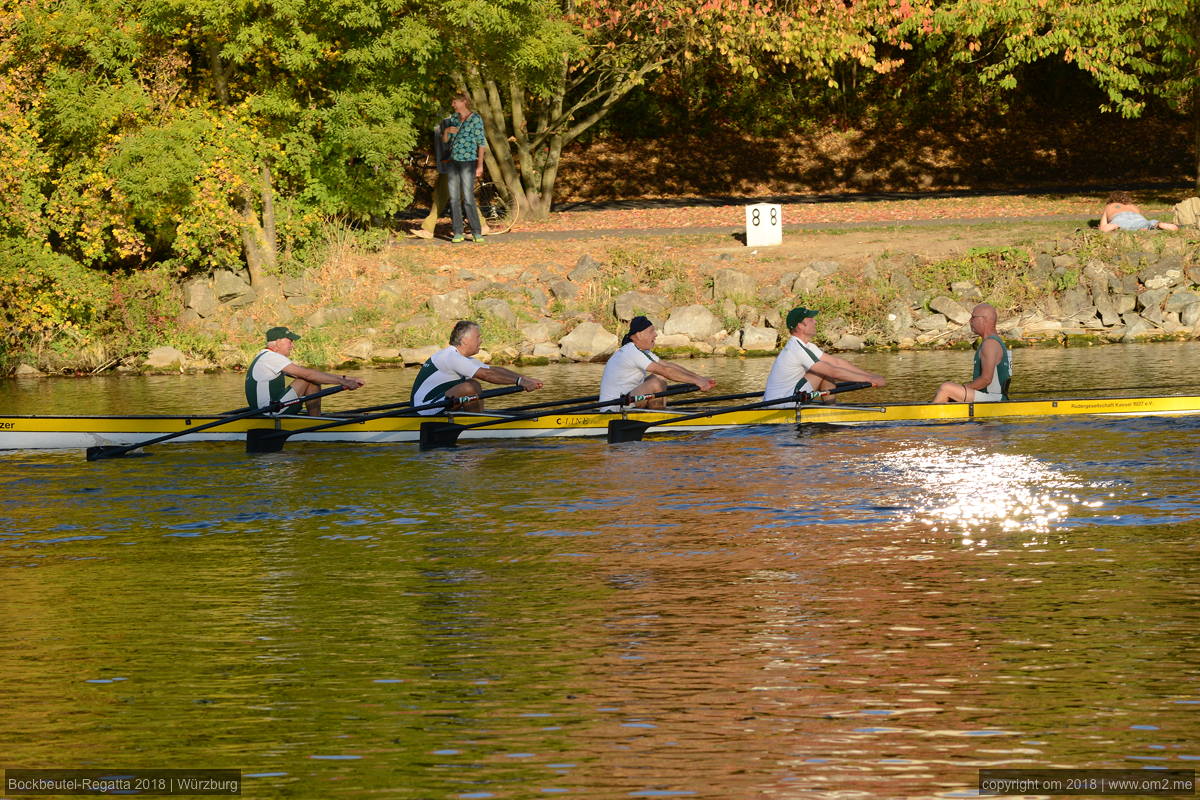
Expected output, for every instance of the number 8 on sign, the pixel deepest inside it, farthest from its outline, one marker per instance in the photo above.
(764, 225)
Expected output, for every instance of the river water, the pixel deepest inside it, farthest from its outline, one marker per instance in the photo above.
(859, 612)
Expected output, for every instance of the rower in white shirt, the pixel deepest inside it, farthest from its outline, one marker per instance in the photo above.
(453, 372)
(635, 370)
(801, 366)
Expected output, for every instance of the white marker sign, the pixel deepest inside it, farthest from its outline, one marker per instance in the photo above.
(764, 225)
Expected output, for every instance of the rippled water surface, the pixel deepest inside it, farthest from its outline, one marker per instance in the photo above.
(856, 612)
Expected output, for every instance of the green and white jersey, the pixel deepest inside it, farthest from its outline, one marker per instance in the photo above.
(789, 372)
(445, 369)
(1003, 373)
(265, 381)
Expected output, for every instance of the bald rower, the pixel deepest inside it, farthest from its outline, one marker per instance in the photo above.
(993, 365)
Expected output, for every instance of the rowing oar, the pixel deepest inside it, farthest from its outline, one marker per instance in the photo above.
(270, 440)
(721, 398)
(508, 410)
(445, 434)
(116, 451)
(632, 430)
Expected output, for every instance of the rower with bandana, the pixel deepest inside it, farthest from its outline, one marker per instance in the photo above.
(635, 370)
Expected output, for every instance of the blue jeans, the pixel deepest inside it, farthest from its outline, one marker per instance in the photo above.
(462, 194)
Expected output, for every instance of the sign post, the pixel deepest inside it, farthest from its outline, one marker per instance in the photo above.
(764, 225)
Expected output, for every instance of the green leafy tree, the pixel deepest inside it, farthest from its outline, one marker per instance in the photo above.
(1133, 51)
(543, 72)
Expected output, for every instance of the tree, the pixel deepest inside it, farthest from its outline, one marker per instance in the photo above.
(562, 66)
(205, 130)
(1132, 50)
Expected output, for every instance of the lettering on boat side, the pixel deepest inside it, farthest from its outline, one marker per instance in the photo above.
(7, 426)
(572, 420)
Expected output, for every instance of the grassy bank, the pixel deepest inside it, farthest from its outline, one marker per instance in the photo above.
(366, 301)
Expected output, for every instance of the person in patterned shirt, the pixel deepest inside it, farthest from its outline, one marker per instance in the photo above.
(466, 143)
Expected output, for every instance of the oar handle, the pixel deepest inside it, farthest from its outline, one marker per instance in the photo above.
(679, 388)
(808, 397)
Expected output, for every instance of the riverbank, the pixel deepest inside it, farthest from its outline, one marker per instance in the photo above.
(390, 303)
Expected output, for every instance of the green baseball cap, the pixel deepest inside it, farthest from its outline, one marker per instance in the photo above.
(798, 315)
(281, 332)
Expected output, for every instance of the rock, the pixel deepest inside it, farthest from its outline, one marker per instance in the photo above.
(297, 287)
(586, 268)
(734, 284)
(899, 319)
(418, 355)
(358, 350)
(966, 290)
(198, 296)
(1065, 261)
(695, 321)
(537, 297)
(386, 354)
(1075, 301)
(26, 371)
(931, 322)
(228, 286)
(1107, 309)
(1162, 275)
(703, 347)
(393, 292)
(498, 308)
(324, 316)
(1190, 315)
(587, 342)
(1151, 299)
(630, 304)
(564, 290)
(825, 268)
(849, 341)
(786, 280)
(755, 338)
(1125, 303)
(673, 340)
(547, 350)
(773, 319)
(1180, 300)
(188, 318)
(165, 358)
(1040, 326)
(451, 305)
(1136, 328)
(951, 308)
(542, 331)
(807, 282)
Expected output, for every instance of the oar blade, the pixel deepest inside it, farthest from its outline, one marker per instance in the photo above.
(626, 430)
(101, 452)
(265, 440)
(440, 434)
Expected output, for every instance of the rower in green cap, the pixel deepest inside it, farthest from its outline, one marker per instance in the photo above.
(801, 366)
(265, 381)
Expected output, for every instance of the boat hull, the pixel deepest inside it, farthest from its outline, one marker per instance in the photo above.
(74, 432)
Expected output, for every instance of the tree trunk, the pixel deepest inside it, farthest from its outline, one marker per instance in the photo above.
(257, 247)
(268, 213)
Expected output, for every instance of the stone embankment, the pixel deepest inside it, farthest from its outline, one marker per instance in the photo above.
(1083, 290)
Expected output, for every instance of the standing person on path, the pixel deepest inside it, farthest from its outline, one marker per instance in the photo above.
(467, 142)
(440, 203)
(993, 365)
(634, 369)
(265, 381)
(453, 372)
(1120, 214)
(801, 366)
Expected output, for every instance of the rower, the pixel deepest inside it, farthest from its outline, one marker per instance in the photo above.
(635, 370)
(801, 366)
(452, 372)
(265, 380)
(993, 365)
